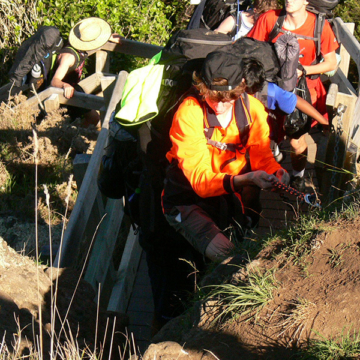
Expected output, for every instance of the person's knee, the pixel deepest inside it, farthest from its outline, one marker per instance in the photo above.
(298, 145)
(194, 224)
(219, 247)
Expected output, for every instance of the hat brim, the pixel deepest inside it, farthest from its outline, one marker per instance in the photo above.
(102, 39)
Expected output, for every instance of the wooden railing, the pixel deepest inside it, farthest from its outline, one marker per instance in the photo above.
(342, 147)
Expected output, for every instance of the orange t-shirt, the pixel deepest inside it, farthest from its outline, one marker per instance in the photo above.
(203, 164)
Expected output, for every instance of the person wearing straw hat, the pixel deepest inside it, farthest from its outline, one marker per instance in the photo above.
(87, 35)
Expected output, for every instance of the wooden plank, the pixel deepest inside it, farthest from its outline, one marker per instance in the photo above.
(52, 103)
(107, 86)
(355, 125)
(344, 84)
(336, 153)
(349, 41)
(131, 47)
(122, 290)
(89, 190)
(101, 255)
(86, 101)
(102, 61)
(345, 56)
(90, 84)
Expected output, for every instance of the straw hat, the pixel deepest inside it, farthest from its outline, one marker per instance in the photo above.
(89, 34)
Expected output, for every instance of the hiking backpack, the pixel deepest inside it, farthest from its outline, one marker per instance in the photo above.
(210, 13)
(323, 10)
(280, 60)
(38, 49)
(183, 54)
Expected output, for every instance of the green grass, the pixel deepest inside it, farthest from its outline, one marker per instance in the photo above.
(345, 346)
(243, 299)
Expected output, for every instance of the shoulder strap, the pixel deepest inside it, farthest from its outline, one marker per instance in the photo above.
(319, 26)
(242, 118)
(278, 25)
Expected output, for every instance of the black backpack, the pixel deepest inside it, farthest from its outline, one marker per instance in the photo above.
(38, 49)
(280, 60)
(323, 10)
(210, 13)
(297, 123)
(261, 51)
(183, 54)
(149, 141)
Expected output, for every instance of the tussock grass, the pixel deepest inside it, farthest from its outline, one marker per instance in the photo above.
(294, 322)
(345, 346)
(243, 299)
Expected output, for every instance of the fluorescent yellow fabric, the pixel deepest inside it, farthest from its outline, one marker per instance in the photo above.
(140, 94)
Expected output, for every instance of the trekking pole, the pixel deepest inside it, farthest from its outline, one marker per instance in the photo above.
(310, 199)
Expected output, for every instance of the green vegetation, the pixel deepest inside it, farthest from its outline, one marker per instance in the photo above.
(346, 346)
(150, 21)
(243, 299)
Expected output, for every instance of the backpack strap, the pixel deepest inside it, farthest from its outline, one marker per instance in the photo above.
(278, 25)
(242, 118)
(319, 26)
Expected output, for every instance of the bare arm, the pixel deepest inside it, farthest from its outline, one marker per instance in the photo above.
(115, 38)
(329, 64)
(308, 109)
(66, 61)
(227, 25)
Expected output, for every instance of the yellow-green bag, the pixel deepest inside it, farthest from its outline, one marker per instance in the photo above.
(140, 94)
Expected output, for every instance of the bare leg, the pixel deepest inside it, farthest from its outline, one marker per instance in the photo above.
(218, 248)
(298, 153)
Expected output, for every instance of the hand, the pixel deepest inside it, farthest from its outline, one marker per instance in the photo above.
(115, 38)
(283, 176)
(262, 179)
(68, 90)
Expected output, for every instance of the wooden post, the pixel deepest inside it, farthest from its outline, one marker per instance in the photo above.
(102, 61)
(126, 275)
(345, 56)
(102, 253)
(89, 191)
(52, 103)
(336, 154)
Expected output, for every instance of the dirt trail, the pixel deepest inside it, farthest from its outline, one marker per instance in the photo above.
(315, 298)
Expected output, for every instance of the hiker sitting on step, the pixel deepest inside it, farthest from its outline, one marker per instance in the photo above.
(299, 21)
(220, 158)
(246, 19)
(87, 35)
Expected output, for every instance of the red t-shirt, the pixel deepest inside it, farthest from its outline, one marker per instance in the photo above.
(266, 22)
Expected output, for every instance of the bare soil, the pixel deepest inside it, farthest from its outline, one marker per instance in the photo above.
(317, 298)
(32, 148)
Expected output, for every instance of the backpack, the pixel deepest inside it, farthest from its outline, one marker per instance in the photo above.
(38, 49)
(210, 13)
(323, 10)
(297, 123)
(183, 54)
(280, 60)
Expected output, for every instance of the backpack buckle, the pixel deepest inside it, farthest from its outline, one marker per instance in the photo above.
(221, 146)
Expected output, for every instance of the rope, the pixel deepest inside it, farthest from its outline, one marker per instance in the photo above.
(310, 199)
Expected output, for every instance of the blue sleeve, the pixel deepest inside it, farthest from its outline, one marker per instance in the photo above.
(284, 100)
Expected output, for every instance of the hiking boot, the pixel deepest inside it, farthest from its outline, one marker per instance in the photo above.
(298, 183)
